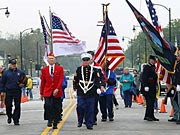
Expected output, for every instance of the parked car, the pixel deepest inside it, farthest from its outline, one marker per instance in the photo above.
(163, 87)
(35, 80)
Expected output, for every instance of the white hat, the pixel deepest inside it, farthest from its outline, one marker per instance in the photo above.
(86, 55)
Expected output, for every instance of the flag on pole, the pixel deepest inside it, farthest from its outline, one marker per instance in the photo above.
(112, 51)
(163, 50)
(47, 50)
(163, 73)
(64, 43)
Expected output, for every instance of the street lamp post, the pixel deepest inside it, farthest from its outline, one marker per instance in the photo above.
(21, 48)
(37, 59)
(169, 10)
(7, 13)
(30, 61)
(132, 63)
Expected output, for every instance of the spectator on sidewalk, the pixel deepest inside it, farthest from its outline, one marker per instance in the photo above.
(126, 80)
(2, 94)
(29, 87)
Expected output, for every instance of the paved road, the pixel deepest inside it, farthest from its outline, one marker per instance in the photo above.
(127, 121)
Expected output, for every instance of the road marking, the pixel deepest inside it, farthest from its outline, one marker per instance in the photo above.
(56, 131)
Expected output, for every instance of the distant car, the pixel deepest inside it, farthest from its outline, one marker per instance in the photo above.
(163, 87)
(35, 80)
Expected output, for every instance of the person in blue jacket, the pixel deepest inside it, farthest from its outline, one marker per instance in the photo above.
(13, 79)
(126, 80)
(64, 86)
(106, 98)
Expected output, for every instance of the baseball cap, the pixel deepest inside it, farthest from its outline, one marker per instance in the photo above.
(12, 61)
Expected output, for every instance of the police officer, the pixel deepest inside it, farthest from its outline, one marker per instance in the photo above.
(13, 80)
(177, 84)
(149, 83)
(85, 83)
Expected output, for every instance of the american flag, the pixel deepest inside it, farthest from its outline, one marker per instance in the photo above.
(47, 50)
(163, 74)
(113, 51)
(64, 43)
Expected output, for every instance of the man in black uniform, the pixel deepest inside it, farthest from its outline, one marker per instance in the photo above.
(13, 80)
(177, 84)
(86, 82)
(149, 83)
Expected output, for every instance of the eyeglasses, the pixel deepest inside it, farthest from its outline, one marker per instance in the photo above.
(86, 59)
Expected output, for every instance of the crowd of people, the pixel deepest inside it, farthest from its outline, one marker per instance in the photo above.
(93, 85)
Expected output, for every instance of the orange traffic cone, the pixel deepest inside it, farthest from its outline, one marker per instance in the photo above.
(141, 99)
(26, 99)
(22, 99)
(163, 108)
(172, 112)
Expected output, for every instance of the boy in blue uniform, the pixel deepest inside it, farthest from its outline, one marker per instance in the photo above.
(106, 98)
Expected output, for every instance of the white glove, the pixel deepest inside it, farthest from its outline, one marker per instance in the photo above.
(74, 94)
(98, 91)
(172, 91)
(146, 89)
(178, 88)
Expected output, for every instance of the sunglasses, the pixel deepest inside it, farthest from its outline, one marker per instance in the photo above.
(86, 59)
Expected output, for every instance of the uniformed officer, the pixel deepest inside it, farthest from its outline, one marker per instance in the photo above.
(13, 80)
(86, 81)
(149, 83)
(102, 76)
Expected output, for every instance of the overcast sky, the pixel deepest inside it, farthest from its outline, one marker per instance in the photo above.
(81, 16)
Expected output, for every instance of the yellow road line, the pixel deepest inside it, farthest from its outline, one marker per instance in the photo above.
(56, 131)
(46, 130)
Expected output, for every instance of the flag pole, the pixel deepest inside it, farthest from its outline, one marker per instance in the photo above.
(106, 20)
(51, 41)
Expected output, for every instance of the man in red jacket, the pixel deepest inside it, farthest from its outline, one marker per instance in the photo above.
(51, 90)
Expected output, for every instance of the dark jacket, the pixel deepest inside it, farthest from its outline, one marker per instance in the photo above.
(149, 79)
(78, 83)
(177, 75)
(12, 78)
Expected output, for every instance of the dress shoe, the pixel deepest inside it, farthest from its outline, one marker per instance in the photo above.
(148, 119)
(95, 123)
(9, 120)
(79, 125)
(155, 119)
(54, 126)
(16, 124)
(111, 119)
(49, 124)
(90, 128)
(103, 120)
(178, 122)
(172, 120)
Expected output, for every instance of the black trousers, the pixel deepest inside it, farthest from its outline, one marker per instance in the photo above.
(96, 110)
(52, 109)
(150, 106)
(115, 100)
(106, 106)
(13, 95)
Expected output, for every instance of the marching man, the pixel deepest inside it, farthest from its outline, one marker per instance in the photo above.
(86, 83)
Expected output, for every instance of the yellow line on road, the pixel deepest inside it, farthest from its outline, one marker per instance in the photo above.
(56, 131)
(46, 130)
